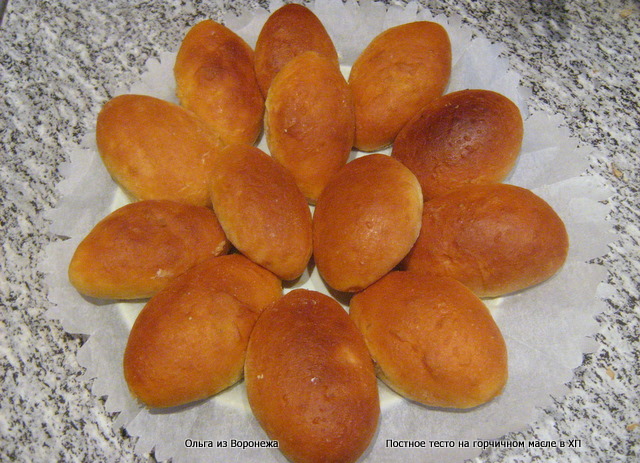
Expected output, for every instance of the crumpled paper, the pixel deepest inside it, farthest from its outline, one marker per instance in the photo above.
(547, 328)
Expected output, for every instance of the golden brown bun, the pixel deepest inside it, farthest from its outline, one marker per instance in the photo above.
(136, 250)
(190, 339)
(288, 32)
(470, 136)
(261, 210)
(155, 149)
(310, 380)
(401, 70)
(496, 239)
(365, 221)
(432, 339)
(309, 121)
(215, 78)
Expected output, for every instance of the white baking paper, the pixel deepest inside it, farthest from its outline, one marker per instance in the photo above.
(547, 328)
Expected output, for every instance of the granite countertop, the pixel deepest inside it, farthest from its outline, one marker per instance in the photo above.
(59, 62)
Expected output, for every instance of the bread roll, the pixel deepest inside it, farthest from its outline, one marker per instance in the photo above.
(309, 121)
(470, 136)
(432, 339)
(365, 221)
(401, 70)
(261, 210)
(289, 31)
(496, 239)
(215, 79)
(189, 341)
(139, 248)
(155, 149)
(310, 380)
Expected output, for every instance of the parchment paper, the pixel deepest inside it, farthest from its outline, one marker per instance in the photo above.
(547, 328)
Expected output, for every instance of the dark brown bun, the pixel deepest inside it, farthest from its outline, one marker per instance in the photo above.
(470, 136)
(365, 221)
(261, 210)
(496, 239)
(310, 121)
(139, 248)
(401, 70)
(432, 339)
(288, 32)
(310, 380)
(215, 79)
(155, 149)
(189, 341)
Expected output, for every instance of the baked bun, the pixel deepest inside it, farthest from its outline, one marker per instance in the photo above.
(139, 248)
(261, 210)
(496, 239)
(432, 339)
(401, 70)
(215, 78)
(288, 32)
(309, 121)
(155, 149)
(189, 341)
(365, 221)
(470, 136)
(310, 380)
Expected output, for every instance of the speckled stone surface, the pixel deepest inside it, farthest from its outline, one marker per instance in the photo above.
(59, 62)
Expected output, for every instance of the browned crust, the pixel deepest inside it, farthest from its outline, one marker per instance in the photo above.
(400, 71)
(470, 136)
(215, 78)
(365, 221)
(288, 32)
(189, 341)
(261, 210)
(310, 121)
(155, 149)
(310, 380)
(432, 339)
(496, 239)
(136, 250)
